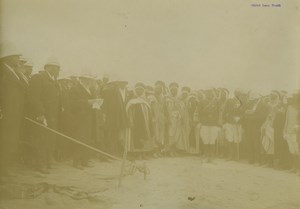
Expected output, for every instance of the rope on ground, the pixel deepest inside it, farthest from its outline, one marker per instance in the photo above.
(32, 191)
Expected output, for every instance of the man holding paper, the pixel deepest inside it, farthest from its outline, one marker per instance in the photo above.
(83, 104)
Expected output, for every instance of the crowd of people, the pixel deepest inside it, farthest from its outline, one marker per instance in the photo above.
(149, 121)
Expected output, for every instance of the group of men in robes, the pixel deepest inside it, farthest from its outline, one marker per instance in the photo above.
(146, 121)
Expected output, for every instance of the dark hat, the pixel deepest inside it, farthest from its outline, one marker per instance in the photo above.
(173, 85)
(140, 85)
(186, 89)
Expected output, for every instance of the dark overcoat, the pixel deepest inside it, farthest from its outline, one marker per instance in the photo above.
(12, 98)
(83, 116)
(44, 98)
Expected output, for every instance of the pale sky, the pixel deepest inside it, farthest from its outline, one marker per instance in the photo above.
(198, 43)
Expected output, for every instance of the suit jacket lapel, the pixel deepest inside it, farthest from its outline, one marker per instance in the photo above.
(84, 91)
(10, 71)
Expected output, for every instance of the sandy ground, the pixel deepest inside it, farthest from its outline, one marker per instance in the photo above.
(222, 184)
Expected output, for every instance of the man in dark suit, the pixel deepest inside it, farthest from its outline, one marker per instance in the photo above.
(11, 103)
(44, 107)
(65, 118)
(114, 107)
(83, 103)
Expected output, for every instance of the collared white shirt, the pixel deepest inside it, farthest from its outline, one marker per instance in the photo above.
(12, 70)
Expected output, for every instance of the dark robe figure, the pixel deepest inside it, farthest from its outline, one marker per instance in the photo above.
(114, 107)
(254, 117)
(141, 132)
(140, 124)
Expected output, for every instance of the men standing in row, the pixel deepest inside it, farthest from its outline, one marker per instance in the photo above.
(44, 107)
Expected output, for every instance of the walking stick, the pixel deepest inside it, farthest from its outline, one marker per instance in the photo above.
(72, 139)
